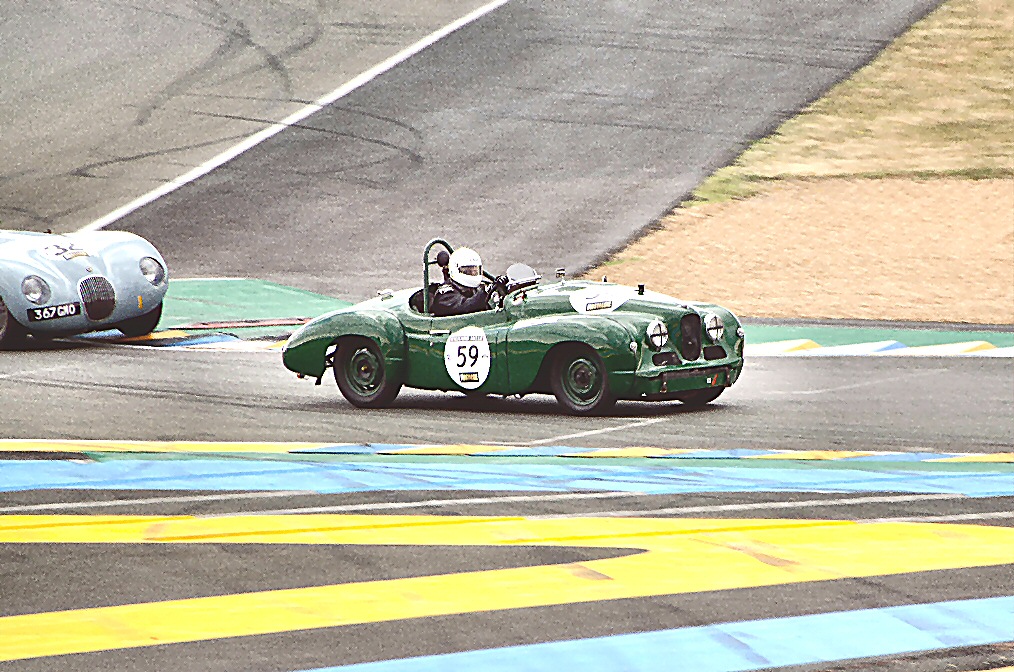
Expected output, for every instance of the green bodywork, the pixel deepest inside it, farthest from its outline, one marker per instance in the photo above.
(523, 334)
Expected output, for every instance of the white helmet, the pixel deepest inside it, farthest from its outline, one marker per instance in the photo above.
(465, 267)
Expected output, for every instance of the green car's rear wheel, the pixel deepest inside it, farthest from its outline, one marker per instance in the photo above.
(697, 398)
(579, 381)
(361, 374)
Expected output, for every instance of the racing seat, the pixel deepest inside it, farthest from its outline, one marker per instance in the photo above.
(415, 302)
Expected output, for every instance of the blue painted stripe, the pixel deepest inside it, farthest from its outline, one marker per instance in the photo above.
(746, 645)
(559, 451)
(903, 457)
(542, 451)
(192, 340)
(715, 454)
(346, 449)
(663, 478)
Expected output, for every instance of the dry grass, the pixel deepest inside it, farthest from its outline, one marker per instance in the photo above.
(906, 209)
(839, 249)
(940, 99)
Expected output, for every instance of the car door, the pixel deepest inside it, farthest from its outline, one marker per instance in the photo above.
(462, 352)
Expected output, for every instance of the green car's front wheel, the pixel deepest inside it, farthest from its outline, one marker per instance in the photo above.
(579, 381)
(361, 374)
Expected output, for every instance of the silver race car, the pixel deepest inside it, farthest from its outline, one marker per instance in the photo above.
(59, 285)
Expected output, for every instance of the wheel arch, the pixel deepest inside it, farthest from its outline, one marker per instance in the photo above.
(541, 383)
(307, 350)
(532, 347)
(10, 293)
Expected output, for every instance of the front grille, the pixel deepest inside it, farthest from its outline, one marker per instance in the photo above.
(690, 336)
(714, 352)
(98, 297)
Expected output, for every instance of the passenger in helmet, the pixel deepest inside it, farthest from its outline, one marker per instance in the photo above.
(463, 290)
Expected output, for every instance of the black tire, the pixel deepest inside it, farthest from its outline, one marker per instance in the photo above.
(12, 334)
(580, 382)
(361, 374)
(141, 325)
(698, 398)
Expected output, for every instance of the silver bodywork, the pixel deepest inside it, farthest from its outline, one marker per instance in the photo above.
(98, 271)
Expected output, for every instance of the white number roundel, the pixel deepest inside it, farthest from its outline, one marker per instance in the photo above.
(466, 357)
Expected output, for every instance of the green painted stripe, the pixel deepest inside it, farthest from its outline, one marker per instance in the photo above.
(192, 301)
(831, 336)
(215, 300)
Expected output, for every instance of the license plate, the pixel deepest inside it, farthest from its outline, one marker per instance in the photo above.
(54, 312)
(711, 376)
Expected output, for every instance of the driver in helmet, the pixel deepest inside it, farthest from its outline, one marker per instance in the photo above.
(463, 290)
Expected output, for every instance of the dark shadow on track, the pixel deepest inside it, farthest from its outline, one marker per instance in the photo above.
(534, 405)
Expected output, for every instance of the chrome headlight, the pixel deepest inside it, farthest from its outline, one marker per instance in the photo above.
(658, 334)
(714, 326)
(35, 289)
(152, 270)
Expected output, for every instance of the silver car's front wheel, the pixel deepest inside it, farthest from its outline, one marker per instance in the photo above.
(12, 334)
(142, 325)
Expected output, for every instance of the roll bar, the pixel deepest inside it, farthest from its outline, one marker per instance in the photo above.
(426, 269)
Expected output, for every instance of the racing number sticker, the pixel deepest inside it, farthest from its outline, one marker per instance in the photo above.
(466, 357)
(66, 251)
(600, 299)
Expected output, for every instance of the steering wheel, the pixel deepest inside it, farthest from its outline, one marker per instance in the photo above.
(498, 292)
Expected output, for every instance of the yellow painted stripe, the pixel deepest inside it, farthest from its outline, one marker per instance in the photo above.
(991, 457)
(681, 556)
(227, 447)
(71, 446)
(777, 347)
(813, 455)
(157, 336)
(458, 449)
(633, 451)
(942, 349)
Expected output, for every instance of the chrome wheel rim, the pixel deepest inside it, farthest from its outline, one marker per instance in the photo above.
(365, 372)
(582, 381)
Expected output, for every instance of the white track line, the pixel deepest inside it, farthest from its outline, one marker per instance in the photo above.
(338, 508)
(592, 432)
(762, 506)
(438, 503)
(53, 506)
(294, 118)
(958, 517)
(23, 375)
(855, 386)
(387, 506)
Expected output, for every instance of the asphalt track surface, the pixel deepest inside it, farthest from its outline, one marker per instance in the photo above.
(863, 403)
(548, 133)
(105, 101)
(843, 404)
(519, 118)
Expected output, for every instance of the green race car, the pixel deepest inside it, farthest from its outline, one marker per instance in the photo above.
(587, 343)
